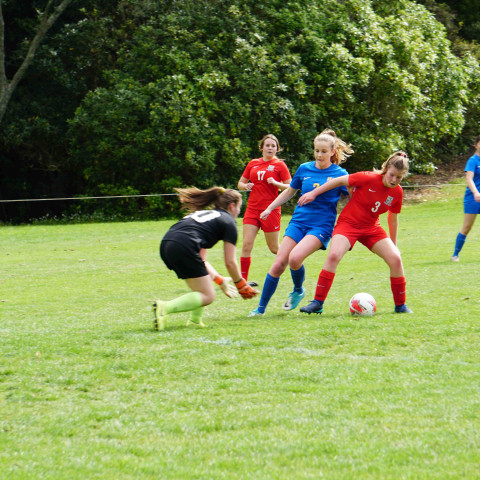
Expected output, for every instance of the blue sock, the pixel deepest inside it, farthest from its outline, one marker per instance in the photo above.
(269, 287)
(298, 277)
(459, 243)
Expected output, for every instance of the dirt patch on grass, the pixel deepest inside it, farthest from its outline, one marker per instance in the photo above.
(418, 187)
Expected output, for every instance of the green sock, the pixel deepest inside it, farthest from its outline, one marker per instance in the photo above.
(197, 316)
(185, 303)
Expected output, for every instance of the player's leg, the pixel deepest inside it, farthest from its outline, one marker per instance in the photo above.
(339, 246)
(273, 276)
(202, 294)
(249, 234)
(183, 257)
(282, 258)
(468, 221)
(273, 241)
(307, 245)
(271, 230)
(389, 252)
(203, 286)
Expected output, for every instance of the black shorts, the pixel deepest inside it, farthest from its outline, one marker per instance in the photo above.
(183, 258)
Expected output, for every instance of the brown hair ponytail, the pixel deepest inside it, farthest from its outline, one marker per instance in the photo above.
(194, 199)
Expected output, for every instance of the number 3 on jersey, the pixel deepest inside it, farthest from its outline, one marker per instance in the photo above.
(376, 207)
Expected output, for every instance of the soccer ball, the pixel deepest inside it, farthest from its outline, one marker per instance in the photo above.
(363, 304)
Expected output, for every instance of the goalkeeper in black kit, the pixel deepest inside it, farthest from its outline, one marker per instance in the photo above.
(183, 249)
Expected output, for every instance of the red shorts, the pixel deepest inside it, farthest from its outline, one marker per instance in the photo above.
(271, 224)
(367, 236)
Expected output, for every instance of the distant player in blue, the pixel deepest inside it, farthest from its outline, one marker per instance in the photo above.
(311, 225)
(471, 200)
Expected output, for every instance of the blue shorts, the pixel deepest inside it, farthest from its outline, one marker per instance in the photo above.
(470, 205)
(297, 232)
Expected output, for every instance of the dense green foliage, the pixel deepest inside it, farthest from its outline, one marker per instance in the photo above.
(465, 13)
(140, 96)
(460, 18)
(197, 87)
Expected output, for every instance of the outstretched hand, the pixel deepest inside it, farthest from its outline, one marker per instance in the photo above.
(227, 288)
(245, 290)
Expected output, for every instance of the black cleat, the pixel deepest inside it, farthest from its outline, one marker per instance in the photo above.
(402, 309)
(313, 307)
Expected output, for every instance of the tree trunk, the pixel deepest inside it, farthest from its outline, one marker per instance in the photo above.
(46, 21)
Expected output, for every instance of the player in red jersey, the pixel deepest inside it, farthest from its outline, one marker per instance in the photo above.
(262, 177)
(374, 193)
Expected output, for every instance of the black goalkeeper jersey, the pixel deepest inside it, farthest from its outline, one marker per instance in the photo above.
(205, 228)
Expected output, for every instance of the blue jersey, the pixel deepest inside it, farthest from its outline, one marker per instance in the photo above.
(323, 210)
(473, 165)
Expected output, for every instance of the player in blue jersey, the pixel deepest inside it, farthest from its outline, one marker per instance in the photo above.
(311, 225)
(471, 200)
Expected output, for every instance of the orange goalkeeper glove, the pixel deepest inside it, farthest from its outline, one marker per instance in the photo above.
(245, 290)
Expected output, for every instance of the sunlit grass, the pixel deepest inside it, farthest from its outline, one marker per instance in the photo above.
(89, 390)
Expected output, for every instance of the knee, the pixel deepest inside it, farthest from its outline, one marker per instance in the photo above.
(334, 258)
(247, 248)
(273, 249)
(208, 298)
(278, 268)
(395, 263)
(295, 262)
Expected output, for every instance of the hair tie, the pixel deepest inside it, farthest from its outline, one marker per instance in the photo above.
(222, 190)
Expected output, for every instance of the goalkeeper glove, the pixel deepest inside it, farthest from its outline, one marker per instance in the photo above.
(227, 288)
(245, 290)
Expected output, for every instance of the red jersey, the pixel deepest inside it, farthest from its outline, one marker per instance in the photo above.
(258, 171)
(370, 199)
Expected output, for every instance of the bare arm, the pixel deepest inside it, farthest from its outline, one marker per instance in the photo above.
(392, 219)
(229, 254)
(211, 270)
(284, 197)
(244, 184)
(331, 184)
(223, 282)
(471, 185)
(245, 290)
(279, 185)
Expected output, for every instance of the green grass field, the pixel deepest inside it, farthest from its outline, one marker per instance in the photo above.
(89, 391)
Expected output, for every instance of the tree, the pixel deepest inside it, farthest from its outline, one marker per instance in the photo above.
(196, 87)
(70, 61)
(46, 19)
(138, 96)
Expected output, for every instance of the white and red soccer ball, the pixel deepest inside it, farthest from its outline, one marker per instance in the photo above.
(363, 304)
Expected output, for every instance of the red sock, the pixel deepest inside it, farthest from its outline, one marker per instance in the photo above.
(245, 266)
(325, 280)
(398, 285)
